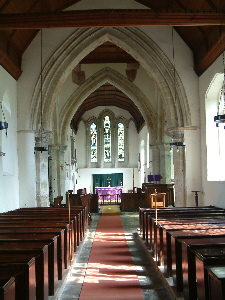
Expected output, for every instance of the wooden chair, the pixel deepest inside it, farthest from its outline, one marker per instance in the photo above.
(160, 199)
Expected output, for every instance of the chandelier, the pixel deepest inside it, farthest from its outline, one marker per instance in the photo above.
(220, 117)
(41, 132)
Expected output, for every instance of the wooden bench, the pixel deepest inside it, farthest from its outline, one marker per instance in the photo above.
(33, 223)
(7, 289)
(216, 282)
(24, 274)
(39, 237)
(41, 266)
(32, 244)
(211, 250)
(176, 225)
(29, 229)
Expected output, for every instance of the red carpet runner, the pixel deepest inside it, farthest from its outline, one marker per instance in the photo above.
(110, 272)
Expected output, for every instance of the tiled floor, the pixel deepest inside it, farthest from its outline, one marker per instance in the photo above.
(152, 286)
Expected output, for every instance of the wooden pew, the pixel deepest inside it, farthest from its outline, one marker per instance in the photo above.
(205, 220)
(7, 289)
(79, 214)
(6, 221)
(41, 266)
(19, 218)
(216, 282)
(183, 215)
(196, 254)
(38, 237)
(33, 225)
(146, 214)
(32, 244)
(46, 233)
(163, 248)
(24, 274)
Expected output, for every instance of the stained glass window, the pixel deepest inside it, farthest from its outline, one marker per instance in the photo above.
(107, 139)
(120, 142)
(93, 132)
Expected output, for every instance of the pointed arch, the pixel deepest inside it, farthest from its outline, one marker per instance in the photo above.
(133, 41)
(106, 75)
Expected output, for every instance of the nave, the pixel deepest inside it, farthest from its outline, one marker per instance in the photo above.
(150, 283)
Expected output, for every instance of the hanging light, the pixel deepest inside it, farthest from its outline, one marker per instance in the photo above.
(220, 117)
(175, 144)
(41, 132)
(3, 124)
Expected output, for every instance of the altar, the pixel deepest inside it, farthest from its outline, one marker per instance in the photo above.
(109, 195)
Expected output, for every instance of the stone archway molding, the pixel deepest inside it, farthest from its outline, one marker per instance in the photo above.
(106, 75)
(133, 41)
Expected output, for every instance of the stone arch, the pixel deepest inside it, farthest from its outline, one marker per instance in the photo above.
(105, 75)
(133, 41)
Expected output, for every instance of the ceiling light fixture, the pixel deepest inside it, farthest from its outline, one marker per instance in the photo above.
(175, 144)
(3, 124)
(220, 117)
(41, 132)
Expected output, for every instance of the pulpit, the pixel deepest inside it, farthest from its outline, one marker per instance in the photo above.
(109, 195)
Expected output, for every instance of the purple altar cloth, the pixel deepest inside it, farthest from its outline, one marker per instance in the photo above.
(110, 191)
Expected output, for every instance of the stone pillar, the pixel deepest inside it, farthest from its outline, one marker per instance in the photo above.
(179, 175)
(155, 159)
(41, 160)
(165, 163)
(179, 167)
(62, 174)
(53, 173)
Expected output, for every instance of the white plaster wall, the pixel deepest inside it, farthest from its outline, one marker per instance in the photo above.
(142, 138)
(213, 191)
(31, 66)
(184, 64)
(81, 146)
(133, 142)
(9, 184)
(27, 170)
(193, 166)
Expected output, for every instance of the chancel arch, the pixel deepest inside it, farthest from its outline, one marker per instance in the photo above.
(133, 41)
(107, 75)
(137, 44)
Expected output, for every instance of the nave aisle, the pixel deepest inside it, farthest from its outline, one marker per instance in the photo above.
(152, 286)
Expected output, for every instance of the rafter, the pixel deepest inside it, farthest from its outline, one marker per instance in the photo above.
(210, 57)
(109, 18)
(4, 5)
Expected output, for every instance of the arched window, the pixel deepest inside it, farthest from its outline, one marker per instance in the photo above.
(215, 132)
(120, 142)
(107, 139)
(93, 133)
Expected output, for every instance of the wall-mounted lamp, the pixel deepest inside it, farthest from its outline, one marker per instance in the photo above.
(177, 144)
(3, 124)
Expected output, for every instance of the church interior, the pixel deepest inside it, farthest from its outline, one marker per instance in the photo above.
(116, 103)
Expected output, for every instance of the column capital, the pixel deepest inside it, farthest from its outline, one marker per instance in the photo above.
(43, 138)
(176, 133)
